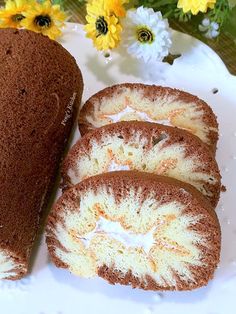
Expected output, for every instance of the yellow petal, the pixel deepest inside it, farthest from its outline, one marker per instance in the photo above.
(195, 6)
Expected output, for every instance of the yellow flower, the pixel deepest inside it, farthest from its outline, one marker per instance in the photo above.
(44, 18)
(112, 6)
(103, 26)
(195, 6)
(115, 7)
(11, 15)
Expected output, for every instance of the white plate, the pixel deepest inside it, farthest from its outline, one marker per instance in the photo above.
(48, 290)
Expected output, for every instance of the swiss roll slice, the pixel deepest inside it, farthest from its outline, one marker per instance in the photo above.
(138, 229)
(147, 147)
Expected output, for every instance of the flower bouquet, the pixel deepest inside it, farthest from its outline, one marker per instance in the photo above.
(140, 26)
(143, 28)
(44, 17)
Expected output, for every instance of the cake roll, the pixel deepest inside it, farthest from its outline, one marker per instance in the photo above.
(163, 105)
(138, 229)
(147, 147)
(41, 88)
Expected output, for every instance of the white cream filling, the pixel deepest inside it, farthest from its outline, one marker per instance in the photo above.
(142, 115)
(116, 167)
(6, 266)
(114, 230)
(117, 117)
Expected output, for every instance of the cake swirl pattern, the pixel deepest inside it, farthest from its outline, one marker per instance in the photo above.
(147, 147)
(164, 105)
(148, 231)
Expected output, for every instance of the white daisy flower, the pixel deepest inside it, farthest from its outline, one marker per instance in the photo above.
(146, 34)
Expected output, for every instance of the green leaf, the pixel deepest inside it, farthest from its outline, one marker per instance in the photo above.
(230, 25)
(58, 2)
(156, 5)
(232, 3)
(53, 1)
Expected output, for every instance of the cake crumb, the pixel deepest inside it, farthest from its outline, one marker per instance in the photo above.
(223, 188)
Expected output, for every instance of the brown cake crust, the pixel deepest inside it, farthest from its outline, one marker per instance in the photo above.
(41, 89)
(165, 190)
(193, 146)
(150, 92)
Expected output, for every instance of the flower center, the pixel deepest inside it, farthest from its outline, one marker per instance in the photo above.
(43, 21)
(17, 17)
(101, 26)
(144, 35)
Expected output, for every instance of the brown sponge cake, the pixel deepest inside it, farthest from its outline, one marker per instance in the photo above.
(147, 147)
(138, 229)
(41, 88)
(164, 105)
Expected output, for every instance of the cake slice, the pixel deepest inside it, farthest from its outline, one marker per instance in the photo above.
(137, 229)
(147, 147)
(164, 105)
